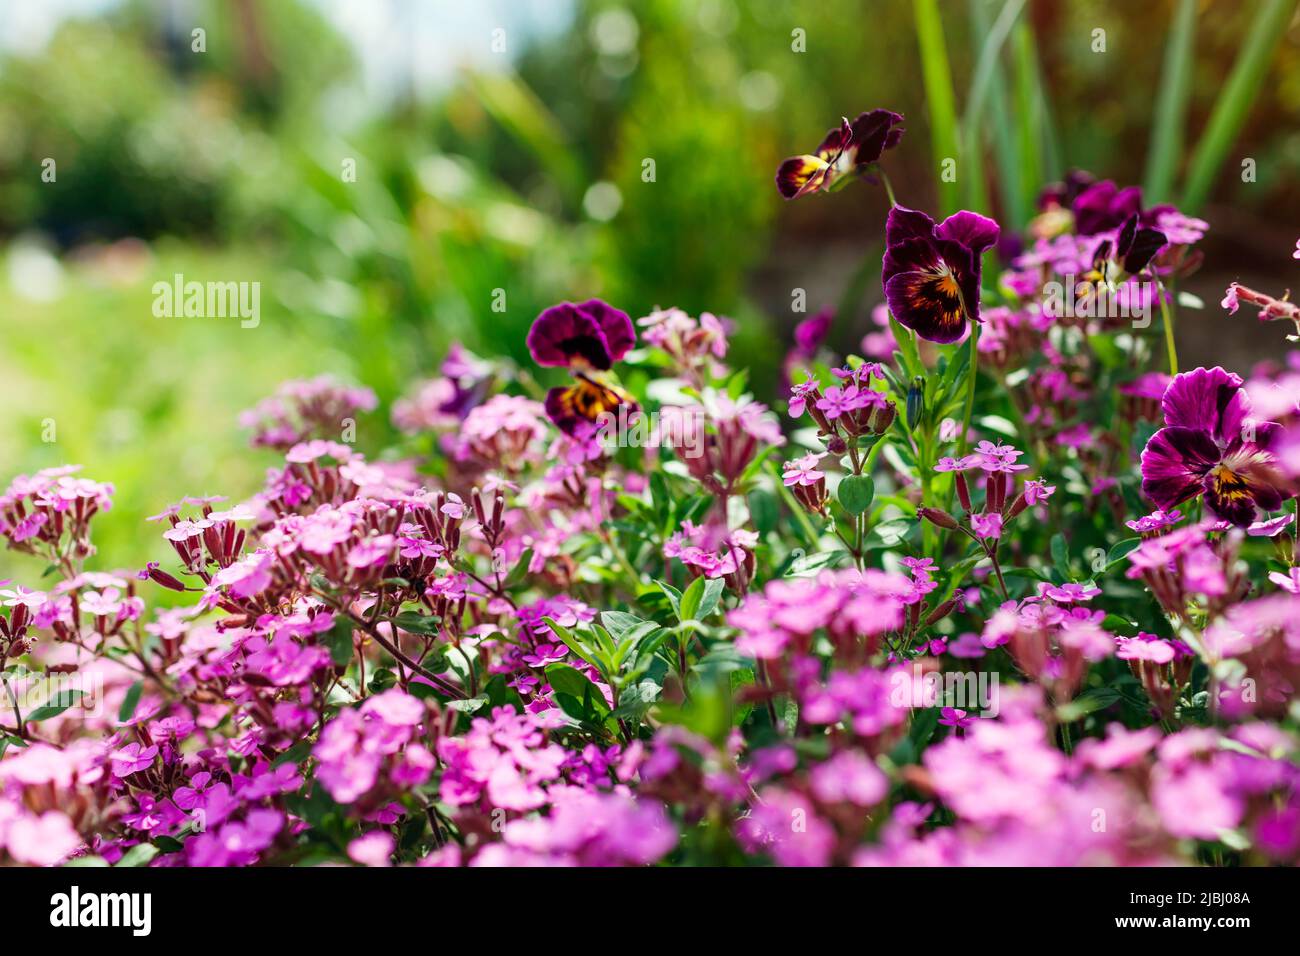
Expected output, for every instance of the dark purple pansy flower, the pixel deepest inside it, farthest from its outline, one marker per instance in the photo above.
(1137, 245)
(591, 334)
(588, 338)
(932, 272)
(848, 148)
(1130, 250)
(1211, 446)
(1104, 206)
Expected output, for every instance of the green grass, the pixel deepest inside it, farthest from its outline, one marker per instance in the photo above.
(150, 404)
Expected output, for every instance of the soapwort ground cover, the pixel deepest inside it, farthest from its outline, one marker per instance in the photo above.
(1008, 586)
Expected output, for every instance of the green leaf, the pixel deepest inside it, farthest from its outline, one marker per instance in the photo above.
(619, 623)
(294, 755)
(570, 641)
(339, 640)
(469, 705)
(519, 573)
(138, 855)
(937, 78)
(812, 563)
(166, 844)
(636, 700)
(691, 598)
(856, 493)
(577, 696)
(674, 597)
(1121, 551)
(1119, 625)
(417, 623)
(987, 80)
(713, 588)
(383, 679)
(1170, 112)
(129, 702)
(1061, 556)
(1086, 703)
(58, 705)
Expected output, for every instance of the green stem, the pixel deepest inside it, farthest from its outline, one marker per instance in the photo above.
(1169, 329)
(971, 372)
(889, 188)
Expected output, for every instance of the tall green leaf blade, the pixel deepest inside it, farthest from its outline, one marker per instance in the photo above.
(1267, 29)
(937, 77)
(1171, 105)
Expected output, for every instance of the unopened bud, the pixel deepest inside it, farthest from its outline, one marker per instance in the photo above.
(882, 418)
(938, 518)
(159, 576)
(915, 402)
(963, 491)
(939, 613)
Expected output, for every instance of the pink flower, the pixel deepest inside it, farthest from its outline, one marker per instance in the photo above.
(849, 777)
(987, 525)
(786, 827)
(955, 717)
(1230, 299)
(803, 471)
(1290, 581)
(44, 840)
(1070, 592)
(373, 849)
(133, 758)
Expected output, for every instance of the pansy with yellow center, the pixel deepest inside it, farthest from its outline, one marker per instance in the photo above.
(931, 272)
(1211, 446)
(587, 338)
(848, 148)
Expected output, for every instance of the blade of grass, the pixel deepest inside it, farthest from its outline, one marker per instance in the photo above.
(1030, 109)
(1005, 146)
(1171, 106)
(1235, 100)
(987, 74)
(1050, 135)
(937, 77)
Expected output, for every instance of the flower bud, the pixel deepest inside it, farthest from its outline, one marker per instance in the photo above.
(939, 613)
(915, 402)
(882, 418)
(963, 491)
(159, 576)
(938, 517)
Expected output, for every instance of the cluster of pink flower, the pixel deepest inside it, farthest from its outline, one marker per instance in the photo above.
(515, 641)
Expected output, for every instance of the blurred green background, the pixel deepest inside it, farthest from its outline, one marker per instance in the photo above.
(505, 145)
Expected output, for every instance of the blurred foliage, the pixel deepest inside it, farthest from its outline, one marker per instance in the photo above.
(511, 189)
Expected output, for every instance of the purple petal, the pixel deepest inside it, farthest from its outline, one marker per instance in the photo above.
(928, 303)
(904, 223)
(873, 133)
(1211, 400)
(972, 230)
(592, 333)
(1174, 462)
(910, 255)
(615, 324)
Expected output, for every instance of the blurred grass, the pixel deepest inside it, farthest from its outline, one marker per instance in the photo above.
(147, 403)
(1236, 99)
(486, 187)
